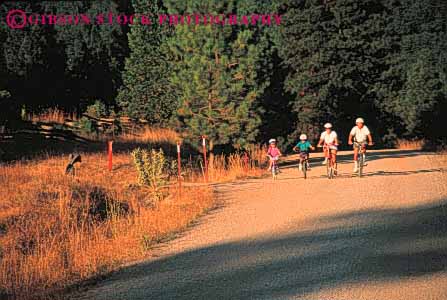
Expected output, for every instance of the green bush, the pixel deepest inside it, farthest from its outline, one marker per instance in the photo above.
(97, 110)
(153, 169)
(87, 125)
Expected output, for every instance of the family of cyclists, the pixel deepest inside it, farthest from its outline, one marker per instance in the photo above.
(359, 137)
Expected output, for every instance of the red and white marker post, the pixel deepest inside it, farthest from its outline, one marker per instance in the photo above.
(110, 155)
(179, 167)
(204, 157)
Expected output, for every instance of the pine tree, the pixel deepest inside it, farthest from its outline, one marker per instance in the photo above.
(216, 75)
(147, 92)
(412, 87)
(332, 49)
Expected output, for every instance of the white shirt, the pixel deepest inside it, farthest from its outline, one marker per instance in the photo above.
(360, 135)
(328, 138)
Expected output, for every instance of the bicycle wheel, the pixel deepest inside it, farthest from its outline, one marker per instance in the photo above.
(274, 171)
(360, 166)
(329, 169)
(304, 168)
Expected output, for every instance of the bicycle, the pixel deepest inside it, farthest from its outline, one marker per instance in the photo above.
(330, 165)
(361, 157)
(275, 168)
(304, 162)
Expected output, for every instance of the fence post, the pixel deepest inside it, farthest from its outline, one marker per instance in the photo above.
(110, 154)
(179, 167)
(204, 157)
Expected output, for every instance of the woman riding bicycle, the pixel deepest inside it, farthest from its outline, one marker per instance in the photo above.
(362, 136)
(304, 147)
(273, 152)
(330, 140)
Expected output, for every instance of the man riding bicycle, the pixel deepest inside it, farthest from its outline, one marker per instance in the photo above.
(330, 140)
(304, 146)
(361, 135)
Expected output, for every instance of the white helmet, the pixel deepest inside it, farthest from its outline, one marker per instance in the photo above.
(271, 141)
(328, 125)
(303, 137)
(360, 120)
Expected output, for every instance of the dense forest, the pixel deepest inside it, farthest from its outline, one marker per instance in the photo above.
(328, 61)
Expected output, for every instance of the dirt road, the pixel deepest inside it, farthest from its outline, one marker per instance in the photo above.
(383, 236)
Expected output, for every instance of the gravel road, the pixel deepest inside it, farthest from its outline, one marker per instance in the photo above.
(380, 237)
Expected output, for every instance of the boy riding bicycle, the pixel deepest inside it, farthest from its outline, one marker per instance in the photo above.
(330, 140)
(362, 136)
(304, 147)
(273, 153)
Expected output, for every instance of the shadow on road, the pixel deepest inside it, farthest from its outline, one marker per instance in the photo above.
(371, 156)
(354, 247)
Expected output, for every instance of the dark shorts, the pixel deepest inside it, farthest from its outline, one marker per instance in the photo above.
(304, 155)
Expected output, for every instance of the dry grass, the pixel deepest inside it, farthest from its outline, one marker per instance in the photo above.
(149, 135)
(52, 115)
(57, 230)
(223, 168)
(131, 132)
(410, 144)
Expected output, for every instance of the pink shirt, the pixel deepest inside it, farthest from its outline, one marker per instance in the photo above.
(273, 152)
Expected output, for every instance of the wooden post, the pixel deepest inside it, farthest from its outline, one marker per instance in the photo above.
(110, 155)
(204, 158)
(179, 167)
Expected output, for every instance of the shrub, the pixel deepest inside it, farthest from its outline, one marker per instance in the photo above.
(153, 169)
(97, 110)
(87, 125)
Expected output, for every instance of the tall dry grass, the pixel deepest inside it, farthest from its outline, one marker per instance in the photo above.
(131, 132)
(149, 134)
(51, 115)
(403, 144)
(57, 230)
(223, 168)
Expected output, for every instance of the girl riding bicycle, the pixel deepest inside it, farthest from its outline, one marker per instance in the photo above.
(273, 153)
(330, 140)
(303, 147)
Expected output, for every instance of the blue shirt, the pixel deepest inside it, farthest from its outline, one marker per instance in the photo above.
(303, 146)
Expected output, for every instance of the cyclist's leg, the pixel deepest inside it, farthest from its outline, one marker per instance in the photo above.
(364, 154)
(356, 157)
(307, 161)
(334, 160)
(356, 153)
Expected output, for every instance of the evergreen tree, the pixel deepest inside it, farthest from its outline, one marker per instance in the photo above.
(216, 71)
(66, 66)
(93, 53)
(411, 90)
(332, 50)
(147, 92)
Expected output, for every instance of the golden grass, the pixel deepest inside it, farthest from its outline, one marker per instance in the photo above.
(223, 168)
(149, 135)
(51, 115)
(410, 144)
(52, 237)
(54, 231)
(131, 132)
